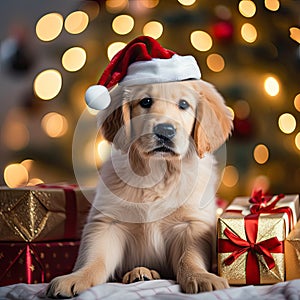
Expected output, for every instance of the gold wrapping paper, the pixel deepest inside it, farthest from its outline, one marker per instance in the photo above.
(39, 214)
(292, 253)
(269, 226)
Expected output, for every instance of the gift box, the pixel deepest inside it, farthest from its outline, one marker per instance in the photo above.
(36, 262)
(43, 213)
(292, 252)
(251, 234)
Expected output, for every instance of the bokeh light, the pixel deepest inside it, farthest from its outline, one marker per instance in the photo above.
(272, 5)
(295, 34)
(49, 27)
(261, 154)
(54, 124)
(153, 29)
(15, 135)
(34, 181)
(271, 86)
(215, 62)
(104, 150)
(47, 84)
(241, 109)
(297, 102)
(123, 24)
(27, 163)
(223, 12)
(74, 59)
(76, 22)
(15, 175)
(230, 176)
(114, 6)
(247, 8)
(297, 140)
(149, 3)
(201, 40)
(113, 48)
(186, 2)
(249, 33)
(92, 8)
(287, 123)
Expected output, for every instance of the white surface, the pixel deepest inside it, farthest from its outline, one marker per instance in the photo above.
(159, 289)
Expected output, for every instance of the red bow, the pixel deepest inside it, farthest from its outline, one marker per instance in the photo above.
(238, 246)
(261, 206)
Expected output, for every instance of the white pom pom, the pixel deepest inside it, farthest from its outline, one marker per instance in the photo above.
(97, 97)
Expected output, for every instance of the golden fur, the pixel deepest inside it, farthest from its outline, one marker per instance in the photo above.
(154, 211)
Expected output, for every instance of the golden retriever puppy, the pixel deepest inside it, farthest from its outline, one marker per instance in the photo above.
(154, 211)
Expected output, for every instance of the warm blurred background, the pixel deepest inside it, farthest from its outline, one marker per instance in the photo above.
(52, 50)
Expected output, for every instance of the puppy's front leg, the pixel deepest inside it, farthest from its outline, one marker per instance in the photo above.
(192, 259)
(100, 252)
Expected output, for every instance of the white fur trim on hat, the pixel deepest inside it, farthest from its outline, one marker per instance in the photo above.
(176, 68)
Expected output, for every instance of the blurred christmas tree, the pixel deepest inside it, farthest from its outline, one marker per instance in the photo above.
(248, 49)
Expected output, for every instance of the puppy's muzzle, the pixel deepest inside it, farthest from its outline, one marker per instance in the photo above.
(164, 131)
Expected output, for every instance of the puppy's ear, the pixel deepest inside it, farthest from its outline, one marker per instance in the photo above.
(114, 122)
(213, 122)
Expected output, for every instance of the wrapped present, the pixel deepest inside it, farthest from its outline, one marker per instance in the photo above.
(292, 252)
(251, 238)
(43, 213)
(36, 262)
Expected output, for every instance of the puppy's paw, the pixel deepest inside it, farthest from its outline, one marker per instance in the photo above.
(203, 282)
(68, 286)
(140, 274)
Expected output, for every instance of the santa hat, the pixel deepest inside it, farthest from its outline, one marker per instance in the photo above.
(142, 61)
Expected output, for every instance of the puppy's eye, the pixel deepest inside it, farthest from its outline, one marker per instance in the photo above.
(146, 102)
(183, 104)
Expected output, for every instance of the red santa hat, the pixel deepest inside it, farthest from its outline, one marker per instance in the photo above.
(142, 61)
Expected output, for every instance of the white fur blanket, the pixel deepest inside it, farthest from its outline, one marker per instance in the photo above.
(159, 289)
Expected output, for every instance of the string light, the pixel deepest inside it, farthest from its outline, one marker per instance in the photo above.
(153, 29)
(54, 124)
(241, 109)
(271, 86)
(230, 176)
(247, 8)
(272, 5)
(114, 48)
(287, 123)
(114, 6)
(201, 40)
(47, 84)
(186, 2)
(149, 3)
(15, 135)
(123, 24)
(297, 102)
(103, 150)
(15, 175)
(295, 34)
(74, 59)
(76, 22)
(249, 33)
(215, 62)
(297, 140)
(49, 27)
(261, 154)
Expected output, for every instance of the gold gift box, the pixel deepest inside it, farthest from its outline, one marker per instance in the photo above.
(43, 214)
(292, 252)
(269, 226)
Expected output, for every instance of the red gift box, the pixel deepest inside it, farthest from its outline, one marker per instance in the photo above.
(36, 262)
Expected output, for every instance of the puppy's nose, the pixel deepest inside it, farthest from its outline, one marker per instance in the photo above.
(164, 131)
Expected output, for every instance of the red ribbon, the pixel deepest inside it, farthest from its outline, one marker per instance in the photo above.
(261, 206)
(71, 207)
(238, 246)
